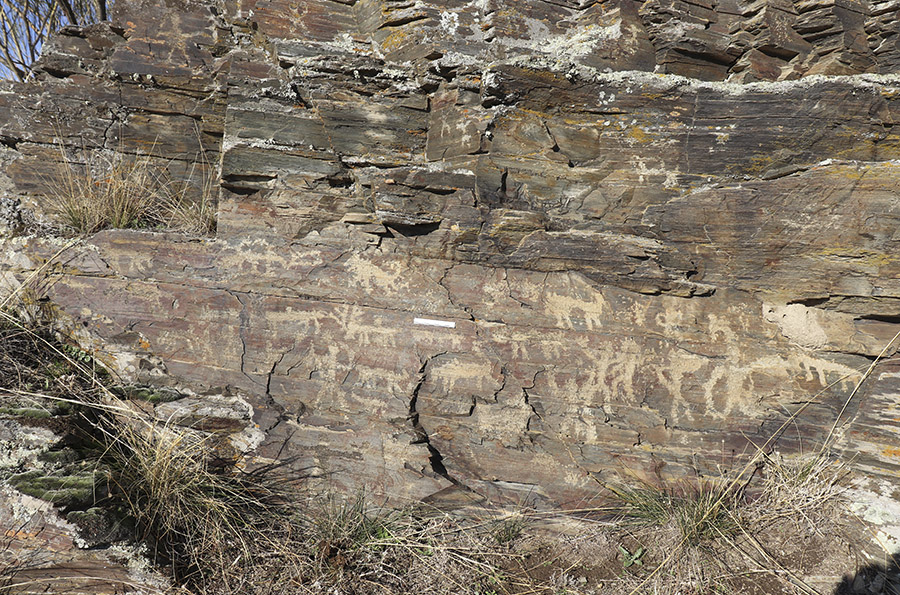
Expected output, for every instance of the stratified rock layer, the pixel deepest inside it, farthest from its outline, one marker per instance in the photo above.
(482, 248)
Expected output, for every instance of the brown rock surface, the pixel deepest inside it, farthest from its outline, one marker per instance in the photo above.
(629, 270)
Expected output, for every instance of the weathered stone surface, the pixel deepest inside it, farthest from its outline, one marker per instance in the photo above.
(629, 270)
(121, 88)
(44, 553)
(545, 379)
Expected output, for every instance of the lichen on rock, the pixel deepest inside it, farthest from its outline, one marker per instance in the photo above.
(648, 233)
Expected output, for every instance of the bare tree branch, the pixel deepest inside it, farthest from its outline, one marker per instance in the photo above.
(69, 12)
(25, 25)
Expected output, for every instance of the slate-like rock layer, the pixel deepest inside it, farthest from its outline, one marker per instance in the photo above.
(632, 264)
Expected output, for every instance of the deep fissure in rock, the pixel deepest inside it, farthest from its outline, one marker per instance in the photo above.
(435, 458)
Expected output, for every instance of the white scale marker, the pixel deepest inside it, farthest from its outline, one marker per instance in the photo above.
(430, 322)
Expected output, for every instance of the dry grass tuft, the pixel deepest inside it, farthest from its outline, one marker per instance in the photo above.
(802, 490)
(699, 512)
(190, 209)
(111, 189)
(104, 189)
(709, 535)
(354, 548)
(679, 532)
(209, 524)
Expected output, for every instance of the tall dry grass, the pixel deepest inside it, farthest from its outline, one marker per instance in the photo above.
(188, 208)
(212, 526)
(102, 189)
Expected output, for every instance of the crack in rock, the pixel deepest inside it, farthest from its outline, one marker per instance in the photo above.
(242, 329)
(435, 458)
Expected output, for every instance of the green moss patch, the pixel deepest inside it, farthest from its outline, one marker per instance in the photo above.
(76, 486)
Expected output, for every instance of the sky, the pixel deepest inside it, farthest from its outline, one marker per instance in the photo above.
(24, 26)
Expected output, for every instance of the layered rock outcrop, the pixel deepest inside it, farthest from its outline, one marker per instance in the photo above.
(500, 250)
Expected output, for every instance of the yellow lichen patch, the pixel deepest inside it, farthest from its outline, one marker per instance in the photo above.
(639, 135)
(545, 75)
(891, 452)
(21, 535)
(849, 171)
(861, 256)
(527, 112)
(397, 39)
(761, 163)
(568, 120)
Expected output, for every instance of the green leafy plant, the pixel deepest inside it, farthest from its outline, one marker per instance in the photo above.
(630, 559)
(78, 354)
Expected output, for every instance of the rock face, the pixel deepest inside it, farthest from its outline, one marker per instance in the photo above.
(46, 553)
(506, 249)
